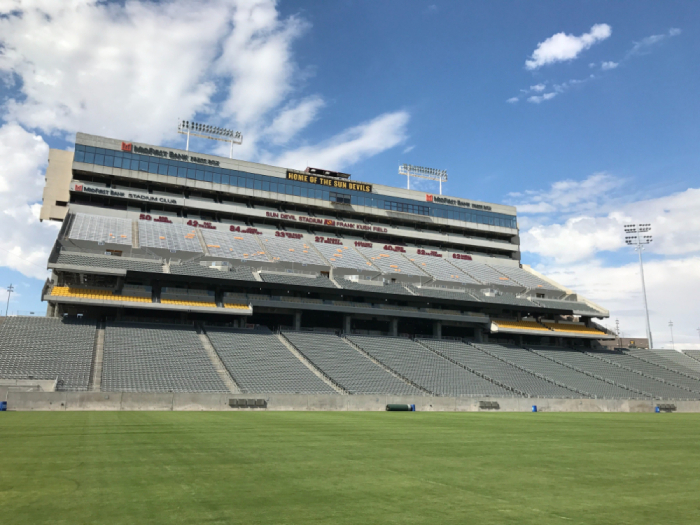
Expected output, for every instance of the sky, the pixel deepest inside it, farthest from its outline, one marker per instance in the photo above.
(582, 114)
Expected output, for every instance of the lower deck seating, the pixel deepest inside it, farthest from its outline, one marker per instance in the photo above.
(47, 348)
(557, 372)
(669, 358)
(260, 364)
(346, 366)
(425, 368)
(600, 364)
(497, 370)
(156, 358)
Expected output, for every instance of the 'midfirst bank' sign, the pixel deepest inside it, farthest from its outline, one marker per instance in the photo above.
(439, 199)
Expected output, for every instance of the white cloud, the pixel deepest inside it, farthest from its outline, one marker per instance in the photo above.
(293, 119)
(130, 69)
(672, 288)
(538, 87)
(512, 100)
(574, 227)
(605, 66)
(537, 99)
(25, 242)
(562, 47)
(350, 146)
(642, 47)
(408, 149)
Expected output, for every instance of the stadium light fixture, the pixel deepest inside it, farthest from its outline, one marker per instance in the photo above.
(638, 240)
(420, 172)
(206, 131)
(10, 289)
(673, 344)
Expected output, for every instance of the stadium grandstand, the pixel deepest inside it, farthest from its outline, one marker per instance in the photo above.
(182, 272)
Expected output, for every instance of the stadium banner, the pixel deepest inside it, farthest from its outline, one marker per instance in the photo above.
(143, 196)
(329, 183)
(326, 222)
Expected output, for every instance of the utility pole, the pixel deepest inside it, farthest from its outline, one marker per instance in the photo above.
(10, 289)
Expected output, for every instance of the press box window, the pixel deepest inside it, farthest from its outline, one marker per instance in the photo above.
(340, 198)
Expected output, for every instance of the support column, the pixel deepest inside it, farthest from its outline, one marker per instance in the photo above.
(347, 323)
(437, 329)
(297, 321)
(479, 335)
(520, 340)
(394, 327)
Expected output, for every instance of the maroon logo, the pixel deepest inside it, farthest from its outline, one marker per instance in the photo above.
(127, 146)
(428, 198)
(78, 187)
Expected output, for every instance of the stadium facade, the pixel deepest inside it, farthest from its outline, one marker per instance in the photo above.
(183, 273)
(172, 234)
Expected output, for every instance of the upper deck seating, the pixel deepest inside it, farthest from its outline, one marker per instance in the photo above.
(600, 364)
(47, 348)
(169, 237)
(314, 282)
(236, 273)
(484, 273)
(557, 372)
(505, 298)
(343, 256)
(391, 288)
(99, 228)
(391, 262)
(261, 364)
(576, 306)
(442, 294)
(291, 250)
(156, 358)
(524, 277)
(108, 261)
(670, 358)
(425, 368)
(242, 246)
(497, 370)
(346, 366)
(441, 269)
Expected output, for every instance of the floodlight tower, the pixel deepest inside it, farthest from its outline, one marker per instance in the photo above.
(673, 344)
(422, 173)
(206, 131)
(636, 238)
(10, 289)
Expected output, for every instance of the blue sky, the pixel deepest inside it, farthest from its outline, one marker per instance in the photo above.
(583, 114)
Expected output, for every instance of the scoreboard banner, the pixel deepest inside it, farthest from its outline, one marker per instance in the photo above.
(329, 183)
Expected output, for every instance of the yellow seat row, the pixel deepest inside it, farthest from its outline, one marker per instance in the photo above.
(236, 306)
(521, 325)
(87, 293)
(206, 304)
(573, 328)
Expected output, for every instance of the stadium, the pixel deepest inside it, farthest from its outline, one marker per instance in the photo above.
(183, 280)
(231, 342)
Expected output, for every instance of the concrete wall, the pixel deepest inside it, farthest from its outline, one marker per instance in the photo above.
(26, 401)
(58, 176)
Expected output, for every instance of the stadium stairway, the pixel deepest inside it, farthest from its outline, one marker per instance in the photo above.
(386, 368)
(95, 383)
(218, 364)
(310, 365)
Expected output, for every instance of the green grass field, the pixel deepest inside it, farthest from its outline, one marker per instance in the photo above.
(344, 467)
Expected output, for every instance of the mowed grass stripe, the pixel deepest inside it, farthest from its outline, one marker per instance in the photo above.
(345, 467)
